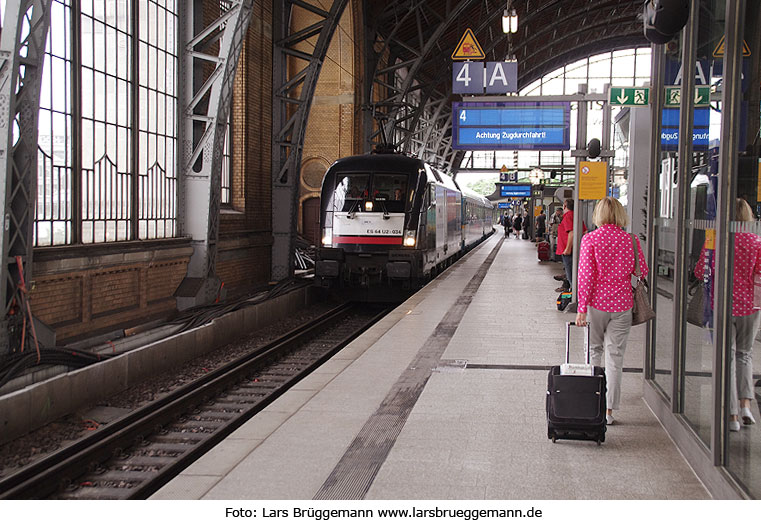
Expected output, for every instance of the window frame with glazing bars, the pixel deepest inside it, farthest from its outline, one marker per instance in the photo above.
(132, 194)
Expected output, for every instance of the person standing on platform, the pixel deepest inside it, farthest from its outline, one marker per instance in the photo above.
(745, 315)
(606, 264)
(517, 224)
(555, 220)
(541, 225)
(565, 243)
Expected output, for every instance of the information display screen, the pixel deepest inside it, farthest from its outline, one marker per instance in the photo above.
(515, 190)
(511, 125)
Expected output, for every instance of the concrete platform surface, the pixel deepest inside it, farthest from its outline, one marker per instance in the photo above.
(444, 400)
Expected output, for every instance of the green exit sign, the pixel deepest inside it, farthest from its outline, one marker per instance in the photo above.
(674, 96)
(629, 96)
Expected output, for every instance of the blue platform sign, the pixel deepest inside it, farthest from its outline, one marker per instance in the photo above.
(511, 125)
(468, 78)
(670, 129)
(515, 190)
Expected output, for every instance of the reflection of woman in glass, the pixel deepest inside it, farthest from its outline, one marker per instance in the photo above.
(745, 318)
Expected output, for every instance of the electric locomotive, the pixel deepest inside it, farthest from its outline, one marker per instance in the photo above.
(389, 219)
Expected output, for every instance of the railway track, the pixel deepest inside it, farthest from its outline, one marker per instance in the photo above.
(136, 455)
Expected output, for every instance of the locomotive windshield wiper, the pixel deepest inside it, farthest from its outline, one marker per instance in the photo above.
(386, 215)
(353, 210)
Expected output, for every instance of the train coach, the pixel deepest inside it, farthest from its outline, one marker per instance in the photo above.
(389, 219)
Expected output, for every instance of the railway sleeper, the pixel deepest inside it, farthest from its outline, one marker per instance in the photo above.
(178, 438)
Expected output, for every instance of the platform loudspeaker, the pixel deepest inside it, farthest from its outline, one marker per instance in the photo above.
(663, 19)
(593, 148)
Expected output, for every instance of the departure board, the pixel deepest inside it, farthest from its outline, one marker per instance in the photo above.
(511, 125)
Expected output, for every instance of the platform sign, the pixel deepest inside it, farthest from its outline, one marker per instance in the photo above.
(674, 96)
(468, 48)
(592, 180)
(468, 78)
(503, 205)
(670, 129)
(629, 96)
(515, 190)
(511, 125)
(475, 78)
(501, 77)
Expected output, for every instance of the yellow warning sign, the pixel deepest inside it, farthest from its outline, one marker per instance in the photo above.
(592, 179)
(718, 51)
(468, 48)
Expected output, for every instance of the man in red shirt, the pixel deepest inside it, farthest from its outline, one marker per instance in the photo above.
(565, 243)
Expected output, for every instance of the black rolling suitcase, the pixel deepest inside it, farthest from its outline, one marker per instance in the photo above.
(576, 398)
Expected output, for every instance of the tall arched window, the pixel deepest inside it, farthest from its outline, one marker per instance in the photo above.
(108, 123)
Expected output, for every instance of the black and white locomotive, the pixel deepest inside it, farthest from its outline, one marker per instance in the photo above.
(390, 219)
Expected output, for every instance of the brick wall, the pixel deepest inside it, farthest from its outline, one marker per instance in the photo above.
(81, 291)
(333, 126)
(244, 254)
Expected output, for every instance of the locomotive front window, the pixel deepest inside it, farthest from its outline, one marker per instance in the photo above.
(390, 191)
(350, 191)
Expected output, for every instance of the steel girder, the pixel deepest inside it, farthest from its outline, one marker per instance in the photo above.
(406, 120)
(22, 54)
(209, 60)
(292, 100)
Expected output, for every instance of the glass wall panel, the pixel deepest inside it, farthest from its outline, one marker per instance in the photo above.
(744, 445)
(743, 450)
(699, 347)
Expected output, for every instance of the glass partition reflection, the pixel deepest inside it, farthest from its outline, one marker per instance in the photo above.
(664, 266)
(699, 348)
(744, 440)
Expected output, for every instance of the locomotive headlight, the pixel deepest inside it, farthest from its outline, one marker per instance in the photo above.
(409, 238)
(368, 205)
(327, 237)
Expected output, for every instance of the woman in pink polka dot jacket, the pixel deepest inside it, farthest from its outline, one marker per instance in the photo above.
(745, 316)
(606, 264)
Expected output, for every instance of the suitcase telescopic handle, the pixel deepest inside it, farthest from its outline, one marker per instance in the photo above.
(568, 342)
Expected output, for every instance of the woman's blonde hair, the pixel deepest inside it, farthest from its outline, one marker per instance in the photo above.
(743, 211)
(610, 211)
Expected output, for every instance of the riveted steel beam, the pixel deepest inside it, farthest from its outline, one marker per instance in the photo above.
(209, 60)
(22, 53)
(296, 68)
(394, 80)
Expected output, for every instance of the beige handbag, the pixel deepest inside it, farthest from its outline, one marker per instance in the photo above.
(641, 311)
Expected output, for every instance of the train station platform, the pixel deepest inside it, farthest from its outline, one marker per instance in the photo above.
(444, 399)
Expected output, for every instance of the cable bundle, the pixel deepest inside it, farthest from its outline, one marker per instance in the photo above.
(16, 363)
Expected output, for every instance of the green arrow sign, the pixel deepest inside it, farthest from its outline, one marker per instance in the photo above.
(674, 96)
(629, 96)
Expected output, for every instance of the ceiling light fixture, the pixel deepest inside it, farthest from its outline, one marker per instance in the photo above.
(509, 20)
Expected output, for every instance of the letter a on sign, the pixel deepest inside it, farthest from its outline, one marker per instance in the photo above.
(468, 48)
